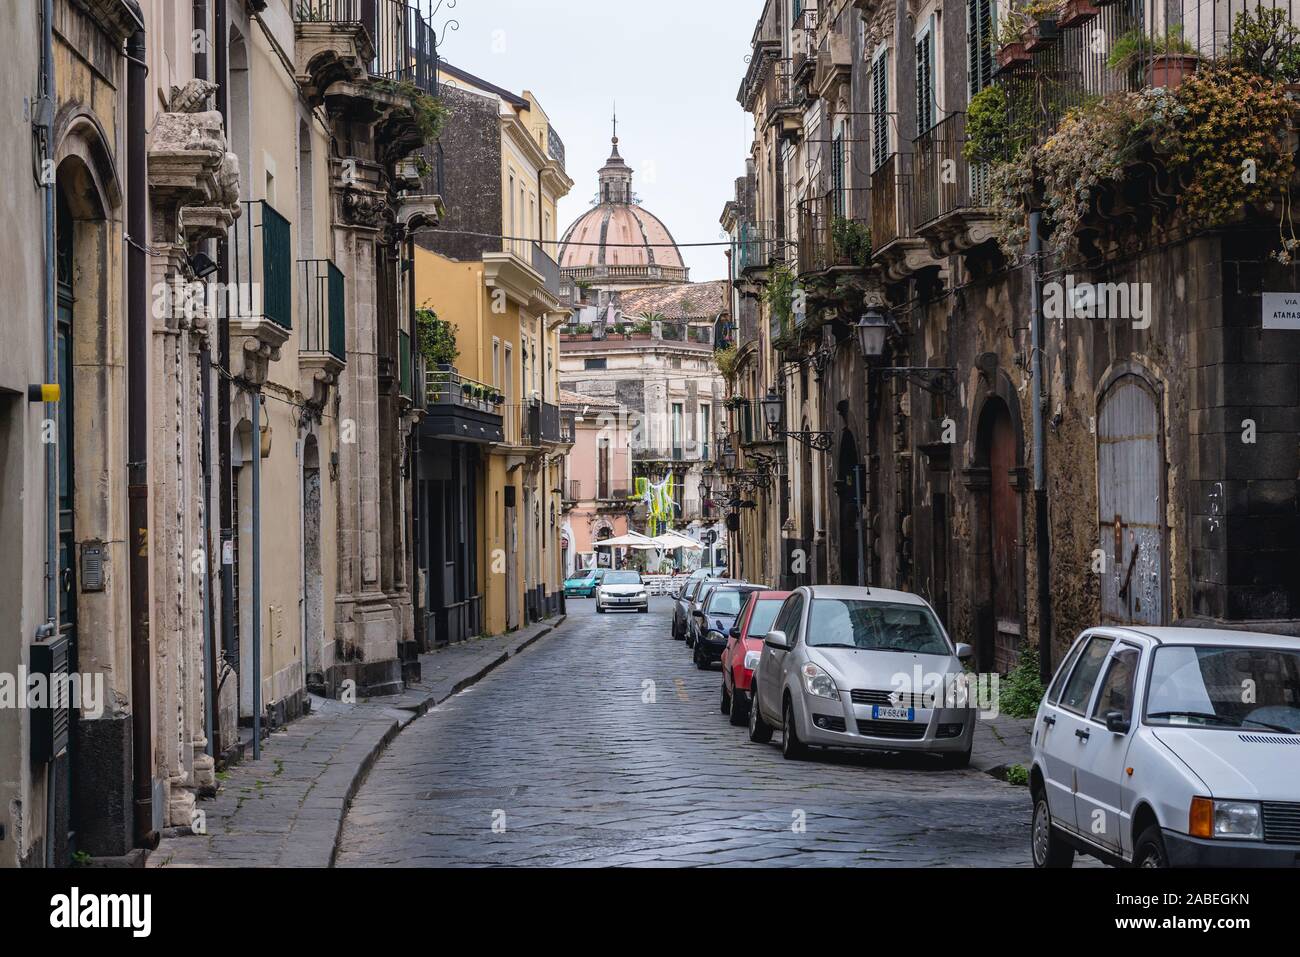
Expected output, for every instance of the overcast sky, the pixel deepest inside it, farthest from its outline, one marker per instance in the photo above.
(673, 66)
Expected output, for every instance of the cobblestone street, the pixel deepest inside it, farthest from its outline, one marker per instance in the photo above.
(554, 759)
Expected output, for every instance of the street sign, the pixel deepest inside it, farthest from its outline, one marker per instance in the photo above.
(1281, 310)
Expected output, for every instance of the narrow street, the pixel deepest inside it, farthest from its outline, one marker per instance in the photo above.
(554, 759)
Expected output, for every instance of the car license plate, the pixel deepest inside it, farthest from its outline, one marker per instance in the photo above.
(892, 714)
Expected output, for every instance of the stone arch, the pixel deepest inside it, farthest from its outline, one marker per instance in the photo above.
(847, 461)
(995, 478)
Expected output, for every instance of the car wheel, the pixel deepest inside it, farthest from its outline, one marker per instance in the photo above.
(1150, 849)
(760, 732)
(646, 610)
(792, 749)
(957, 759)
(1049, 849)
(599, 609)
(739, 709)
(726, 700)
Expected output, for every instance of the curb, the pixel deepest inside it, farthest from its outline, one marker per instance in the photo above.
(416, 711)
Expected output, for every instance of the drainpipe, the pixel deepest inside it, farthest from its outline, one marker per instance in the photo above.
(225, 474)
(1041, 532)
(137, 324)
(417, 528)
(255, 443)
(45, 130)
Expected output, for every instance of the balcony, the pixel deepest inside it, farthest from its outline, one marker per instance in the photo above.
(387, 39)
(653, 272)
(897, 249)
(784, 108)
(461, 409)
(543, 425)
(526, 274)
(834, 235)
(260, 298)
(322, 347)
(572, 492)
(952, 195)
(755, 249)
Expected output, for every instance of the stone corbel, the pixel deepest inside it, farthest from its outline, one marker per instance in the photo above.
(419, 211)
(320, 373)
(258, 342)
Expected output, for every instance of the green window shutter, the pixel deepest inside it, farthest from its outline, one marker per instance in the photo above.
(277, 268)
(880, 109)
(337, 315)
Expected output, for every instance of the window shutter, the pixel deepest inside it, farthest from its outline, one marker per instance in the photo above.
(880, 109)
(925, 78)
(979, 36)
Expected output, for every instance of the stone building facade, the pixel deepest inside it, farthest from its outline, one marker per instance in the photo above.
(232, 193)
(1146, 476)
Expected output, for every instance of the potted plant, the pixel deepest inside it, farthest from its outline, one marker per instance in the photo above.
(1042, 28)
(1168, 58)
(1011, 41)
(1077, 12)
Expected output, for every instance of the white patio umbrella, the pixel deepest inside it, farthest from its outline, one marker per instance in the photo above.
(671, 540)
(631, 540)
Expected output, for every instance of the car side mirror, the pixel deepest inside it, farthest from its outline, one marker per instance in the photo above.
(777, 640)
(1116, 722)
(965, 652)
(735, 632)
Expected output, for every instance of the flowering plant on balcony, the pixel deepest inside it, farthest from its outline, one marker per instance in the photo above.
(1221, 138)
(780, 296)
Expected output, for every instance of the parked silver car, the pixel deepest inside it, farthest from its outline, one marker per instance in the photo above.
(856, 668)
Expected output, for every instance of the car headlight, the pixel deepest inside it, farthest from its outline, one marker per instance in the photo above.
(715, 635)
(1235, 820)
(751, 659)
(818, 683)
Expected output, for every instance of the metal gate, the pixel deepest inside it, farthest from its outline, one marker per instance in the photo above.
(1131, 503)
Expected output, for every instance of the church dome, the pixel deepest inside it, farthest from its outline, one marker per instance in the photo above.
(618, 243)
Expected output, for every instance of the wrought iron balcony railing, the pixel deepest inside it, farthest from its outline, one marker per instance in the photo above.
(322, 308)
(834, 231)
(891, 191)
(404, 41)
(945, 181)
(261, 265)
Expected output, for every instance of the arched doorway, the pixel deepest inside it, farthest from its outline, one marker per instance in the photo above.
(999, 610)
(1131, 499)
(847, 473)
(313, 589)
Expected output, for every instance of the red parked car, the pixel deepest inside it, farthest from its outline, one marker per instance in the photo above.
(744, 645)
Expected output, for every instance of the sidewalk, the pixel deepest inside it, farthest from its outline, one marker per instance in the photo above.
(286, 810)
(1001, 742)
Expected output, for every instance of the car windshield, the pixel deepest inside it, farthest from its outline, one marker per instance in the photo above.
(760, 622)
(1213, 686)
(875, 626)
(725, 602)
(623, 578)
(584, 574)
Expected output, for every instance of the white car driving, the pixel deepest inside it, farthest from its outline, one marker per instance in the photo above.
(622, 590)
(1170, 747)
(849, 667)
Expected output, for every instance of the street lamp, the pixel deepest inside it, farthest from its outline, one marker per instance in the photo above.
(772, 409)
(871, 331)
(728, 458)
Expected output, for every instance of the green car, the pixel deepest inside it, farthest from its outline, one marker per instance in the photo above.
(583, 583)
